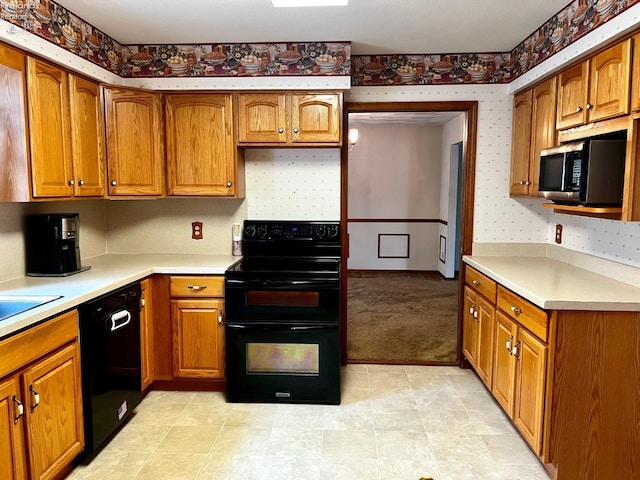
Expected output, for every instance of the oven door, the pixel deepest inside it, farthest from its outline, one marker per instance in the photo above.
(284, 300)
(288, 363)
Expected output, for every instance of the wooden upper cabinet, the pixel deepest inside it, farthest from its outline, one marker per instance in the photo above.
(87, 137)
(596, 89)
(315, 118)
(572, 96)
(201, 151)
(520, 144)
(135, 148)
(49, 130)
(14, 157)
(543, 128)
(262, 118)
(290, 118)
(609, 82)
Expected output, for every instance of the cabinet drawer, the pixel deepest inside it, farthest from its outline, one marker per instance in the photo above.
(197, 286)
(480, 283)
(524, 312)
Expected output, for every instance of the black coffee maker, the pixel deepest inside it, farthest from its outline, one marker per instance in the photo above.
(53, 245)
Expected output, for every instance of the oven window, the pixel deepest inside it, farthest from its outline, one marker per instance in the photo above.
(283, 359)
(282, 299)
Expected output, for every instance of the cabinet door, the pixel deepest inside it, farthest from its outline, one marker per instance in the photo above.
(12, 455)
(198, 338)
(520, 144)
(484, 356)
(135, 150)
(87, 137)
(609, 82)
(200, 147)
(53, 405)
(49, 135)
(531, 367)
(262, 118)
(470, 326)
(543, 128)
(504, 364)
(146, 334)
(14, 160)
(572, 96)
(315, 118)
(635, 74)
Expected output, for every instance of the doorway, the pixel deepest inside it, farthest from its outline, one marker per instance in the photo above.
(464, 170)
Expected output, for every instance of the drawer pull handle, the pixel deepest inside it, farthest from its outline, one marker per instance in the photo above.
(19, 409)
(476, 283)
(508, 343)
(471, 309)
(220, 318)
(515, 351)
(196, 287)
(516, 310)
(36, 398)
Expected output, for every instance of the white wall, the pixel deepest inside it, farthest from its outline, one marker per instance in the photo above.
(394, 173)
(452, 133)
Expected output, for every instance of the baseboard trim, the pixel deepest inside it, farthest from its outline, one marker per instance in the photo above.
(352, 361)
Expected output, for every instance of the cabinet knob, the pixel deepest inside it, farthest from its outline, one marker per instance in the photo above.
(81, 182)
(589, 106)
(516, 310)
(522, 182)
(476, 283)
(281, 130)
(113, 183)
(508, 343)
(229, 184)
(515, 350)
(578, 110)
(295, 130)
(19, 409)
(71, 183)
(36, 398)
(196, 288)
(527, 183)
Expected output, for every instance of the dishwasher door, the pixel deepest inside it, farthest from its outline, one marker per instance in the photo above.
(110, 351)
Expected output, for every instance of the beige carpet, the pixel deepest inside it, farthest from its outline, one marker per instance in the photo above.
(401, 317)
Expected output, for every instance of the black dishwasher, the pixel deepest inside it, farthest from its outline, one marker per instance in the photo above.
(110, 352)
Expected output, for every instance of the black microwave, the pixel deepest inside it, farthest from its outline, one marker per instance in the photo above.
(588, 172)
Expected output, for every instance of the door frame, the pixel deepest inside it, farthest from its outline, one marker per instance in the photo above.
(468, 173)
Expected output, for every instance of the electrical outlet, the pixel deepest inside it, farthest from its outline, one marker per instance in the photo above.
(558, 234)
(196, 230)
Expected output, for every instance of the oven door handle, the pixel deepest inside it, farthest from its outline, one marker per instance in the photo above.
(280, 283)
(235, 326)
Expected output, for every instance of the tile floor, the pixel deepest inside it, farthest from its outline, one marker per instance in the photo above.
(394, 423)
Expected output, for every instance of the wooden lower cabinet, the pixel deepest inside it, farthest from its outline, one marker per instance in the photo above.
(504, 365)
(519, 378)
(13, 464)
(53, 394)
(146, 333)
(477, 343)
(197, 325)
(531, 364)
(41, 422)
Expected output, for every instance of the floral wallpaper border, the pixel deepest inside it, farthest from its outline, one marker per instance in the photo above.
(56, 24)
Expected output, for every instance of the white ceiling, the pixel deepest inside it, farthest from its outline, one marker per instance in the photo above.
(373, 26)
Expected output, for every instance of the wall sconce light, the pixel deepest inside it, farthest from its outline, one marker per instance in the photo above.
(353, 137)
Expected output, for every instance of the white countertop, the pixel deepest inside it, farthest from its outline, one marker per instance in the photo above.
(554, 285)
(107, 273)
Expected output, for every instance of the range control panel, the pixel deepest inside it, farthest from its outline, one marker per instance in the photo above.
(291, 231)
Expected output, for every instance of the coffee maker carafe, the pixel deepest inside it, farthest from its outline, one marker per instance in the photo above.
(53, 245)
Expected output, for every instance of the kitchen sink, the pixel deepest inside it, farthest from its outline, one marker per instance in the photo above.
(14, 304)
